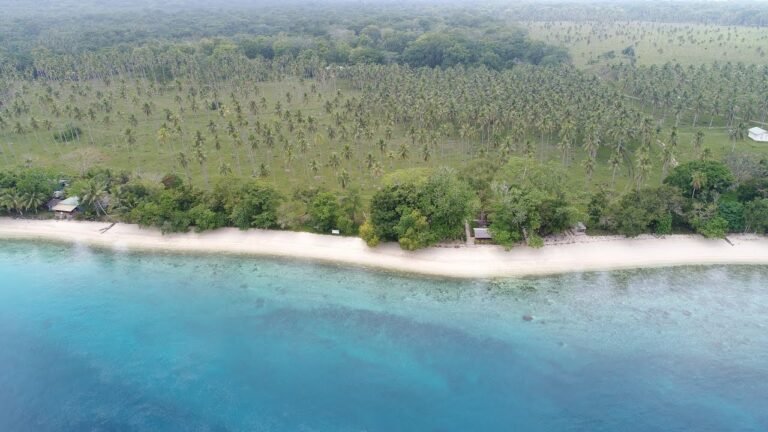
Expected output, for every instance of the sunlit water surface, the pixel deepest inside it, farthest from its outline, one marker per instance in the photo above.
(104, 341)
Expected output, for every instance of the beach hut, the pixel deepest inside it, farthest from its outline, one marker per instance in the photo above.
(579, 228)
(67, 208)
(758, 134)
(482, 234)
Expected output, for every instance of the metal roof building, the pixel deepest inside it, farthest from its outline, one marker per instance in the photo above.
(758, 134)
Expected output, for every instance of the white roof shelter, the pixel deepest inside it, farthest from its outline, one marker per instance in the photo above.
(67, 206)
(758, 134)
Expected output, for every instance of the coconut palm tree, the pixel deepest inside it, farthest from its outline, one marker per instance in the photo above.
(93, 195)
(34, 200)
(698, 180)
(343, 178)
(184, 163)
(11, 200)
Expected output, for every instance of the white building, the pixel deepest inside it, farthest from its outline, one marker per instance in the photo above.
(758, 134)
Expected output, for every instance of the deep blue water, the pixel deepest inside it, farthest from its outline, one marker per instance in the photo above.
(106, 341)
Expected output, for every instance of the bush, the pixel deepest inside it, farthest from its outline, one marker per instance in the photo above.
(250, 204)
(172, 181)
(413, 231)
(664, 224)
(205, 219)
(645, 210)
(324, 212)
(733, 212)
(756, 216)
(368, 234)
(597, 206)
(714, 228)
(535, 241)
(717, 178)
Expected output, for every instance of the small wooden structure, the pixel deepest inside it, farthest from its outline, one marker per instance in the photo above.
(482, 235)
(758, 134)
(67, 208)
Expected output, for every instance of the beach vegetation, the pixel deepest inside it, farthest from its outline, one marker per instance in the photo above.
(401, 123)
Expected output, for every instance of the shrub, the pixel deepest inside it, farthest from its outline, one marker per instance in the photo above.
(368, 234)
(717, 178)
(413, 231)
(714, 228)
(733, 212)
(664, 224)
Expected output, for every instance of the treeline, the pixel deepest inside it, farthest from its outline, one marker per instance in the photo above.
(417, 35)
(176, 206)
(701, 196)
(521, 201)
(700, 95)
(738, 12)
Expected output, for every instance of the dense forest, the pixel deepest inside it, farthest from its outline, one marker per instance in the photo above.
(332, 32)
(396, 122)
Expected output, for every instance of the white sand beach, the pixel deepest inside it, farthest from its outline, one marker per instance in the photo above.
(569, 254)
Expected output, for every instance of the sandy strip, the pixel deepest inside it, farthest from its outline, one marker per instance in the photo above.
(569, 254)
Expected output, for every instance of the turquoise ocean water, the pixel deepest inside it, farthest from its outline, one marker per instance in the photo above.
(106, 341)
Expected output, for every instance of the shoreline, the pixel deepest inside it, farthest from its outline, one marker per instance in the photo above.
(565, 255)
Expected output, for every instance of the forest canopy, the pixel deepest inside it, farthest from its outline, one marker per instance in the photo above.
(418, 35)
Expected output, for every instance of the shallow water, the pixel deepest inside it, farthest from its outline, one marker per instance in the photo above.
(93, 340)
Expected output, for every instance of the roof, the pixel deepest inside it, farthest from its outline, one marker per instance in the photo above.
(68, 205)
(758, 131)
(75, 201)
(482, 234)
(66, 208)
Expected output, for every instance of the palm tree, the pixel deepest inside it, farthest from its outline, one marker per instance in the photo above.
(130, 138)
(263, 170)
(334, 161)
(314, 166)
(643, 161)
(369, 161)
(698, 180)
(163, 136)
(615, 162)
(698, 140)
(184, 162)
(403, 151)
(11, 200)
(343, 178)
(34, 200)
(382, 146)
(199, 154)
(225, 169)
(92, 196)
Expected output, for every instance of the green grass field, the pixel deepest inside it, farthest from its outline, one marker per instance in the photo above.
(653, 43)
